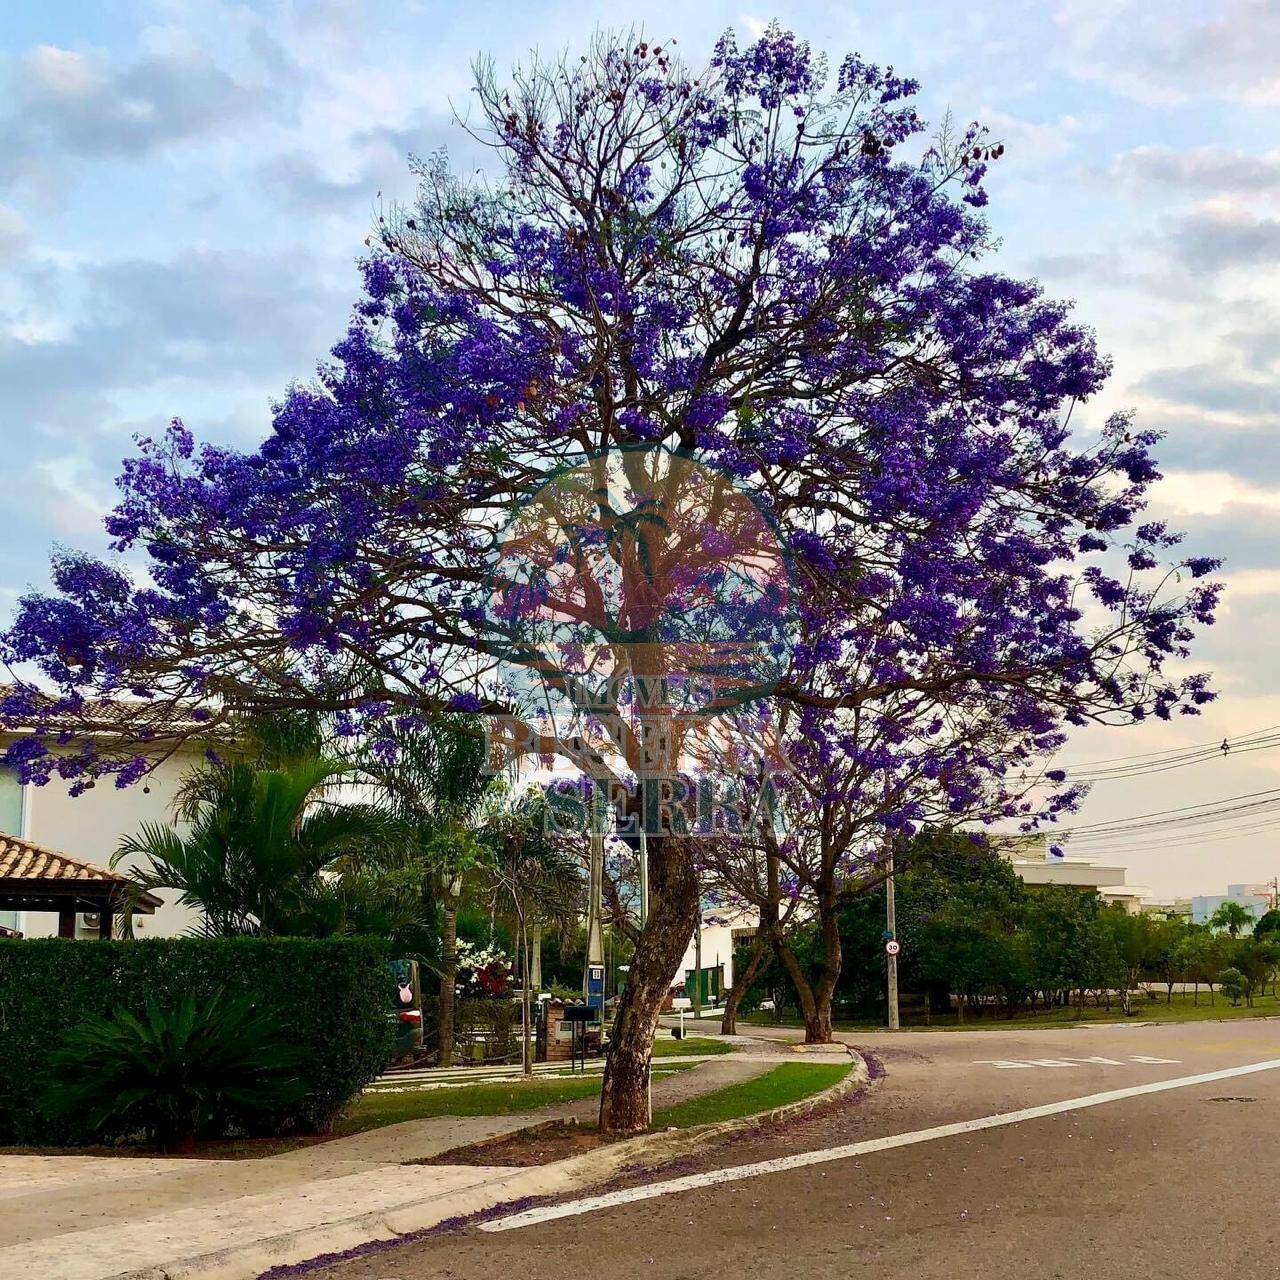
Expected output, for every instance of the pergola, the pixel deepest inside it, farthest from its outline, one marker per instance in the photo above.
(33, 878)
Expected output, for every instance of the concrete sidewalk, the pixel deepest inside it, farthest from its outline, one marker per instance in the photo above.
(101, 1218)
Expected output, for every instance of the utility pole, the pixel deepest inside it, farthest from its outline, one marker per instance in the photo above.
(643, 854)
(697, 963)
(593, 975)
(644, 878)
(891, 928)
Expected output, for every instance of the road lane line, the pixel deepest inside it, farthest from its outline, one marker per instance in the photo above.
(715, 1177)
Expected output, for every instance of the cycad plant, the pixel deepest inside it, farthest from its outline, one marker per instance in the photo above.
(176, 1072)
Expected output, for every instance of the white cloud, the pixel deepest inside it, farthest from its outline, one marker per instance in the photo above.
(61, 101)
(1171, 51)
(59, 73)
(1253, 582)
(1034, 141)
(13, 233)
(1201, 171)
(1211, 493)
(1220, 236)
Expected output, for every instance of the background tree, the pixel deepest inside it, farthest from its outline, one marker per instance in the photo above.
(1254, 959)
(1268, 925)
(1233, 917)
(255, 847)
(1128, 942)
(433, 776)
(1233, 984)
(536, 877)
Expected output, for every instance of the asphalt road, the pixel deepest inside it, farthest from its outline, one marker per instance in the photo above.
(1178, 1183)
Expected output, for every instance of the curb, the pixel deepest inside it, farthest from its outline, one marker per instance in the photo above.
(290, 1252)
(671, 1144)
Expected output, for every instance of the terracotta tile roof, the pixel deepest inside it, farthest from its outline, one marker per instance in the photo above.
(31, 871)
(22, 860)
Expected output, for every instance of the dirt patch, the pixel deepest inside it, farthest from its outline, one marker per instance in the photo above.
(541, 1144)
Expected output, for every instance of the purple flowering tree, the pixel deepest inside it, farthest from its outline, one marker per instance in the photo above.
(761, 265)
(862, 782)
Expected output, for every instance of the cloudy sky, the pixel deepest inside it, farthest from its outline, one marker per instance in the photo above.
(184, 187)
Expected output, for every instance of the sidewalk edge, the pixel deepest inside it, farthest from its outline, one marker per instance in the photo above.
(577, 1173)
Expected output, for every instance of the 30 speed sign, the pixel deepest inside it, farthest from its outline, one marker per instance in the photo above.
(892, 947)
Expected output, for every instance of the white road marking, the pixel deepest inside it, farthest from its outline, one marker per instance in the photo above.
(1022, 1064)
(714, 1177)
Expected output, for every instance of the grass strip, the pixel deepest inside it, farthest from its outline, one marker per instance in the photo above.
(789, 1082)
(669, 1047)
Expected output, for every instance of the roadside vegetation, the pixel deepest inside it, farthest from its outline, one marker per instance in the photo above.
(1146, 1008)
(981, 947)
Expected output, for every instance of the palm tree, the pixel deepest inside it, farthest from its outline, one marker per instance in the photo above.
(435, 783)
(533, 873)
(1232, 916)
(257, 846)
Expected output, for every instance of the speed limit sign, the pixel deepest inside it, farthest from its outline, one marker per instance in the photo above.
(892, 947)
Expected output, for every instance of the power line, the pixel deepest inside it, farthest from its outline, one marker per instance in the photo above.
(1190, 840)
(1195, 746)
(1190, 808)
(1164, 766)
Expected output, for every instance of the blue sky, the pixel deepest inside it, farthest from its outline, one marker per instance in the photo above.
(184, 188)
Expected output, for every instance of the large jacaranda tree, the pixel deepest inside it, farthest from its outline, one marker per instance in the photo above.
(760, 266)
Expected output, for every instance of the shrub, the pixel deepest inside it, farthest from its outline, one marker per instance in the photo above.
(1233, 984)
(328, 997)
(176, 1072)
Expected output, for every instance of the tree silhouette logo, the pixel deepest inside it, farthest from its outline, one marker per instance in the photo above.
(641, 602)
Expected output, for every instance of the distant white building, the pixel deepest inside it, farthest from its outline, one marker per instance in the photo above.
(721, 928)
(1031, 858)
(1255, 898)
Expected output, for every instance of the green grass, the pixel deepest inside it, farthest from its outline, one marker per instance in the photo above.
(376, 1108)
(788, 1082)
(1182, 1009)
(669, 1047)
(372, 1110)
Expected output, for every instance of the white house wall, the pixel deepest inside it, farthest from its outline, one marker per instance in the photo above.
(91, 827)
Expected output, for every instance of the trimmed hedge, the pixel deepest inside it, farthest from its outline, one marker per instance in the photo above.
(329, 996)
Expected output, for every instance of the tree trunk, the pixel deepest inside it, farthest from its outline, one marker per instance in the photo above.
(526, 1004)
(817, 1020)
(741, 985)
(448, 979)
(180, 1142)
(815, 998)
(673, 913)
(824, 990)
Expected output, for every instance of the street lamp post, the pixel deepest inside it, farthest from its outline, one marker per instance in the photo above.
(891, 928)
